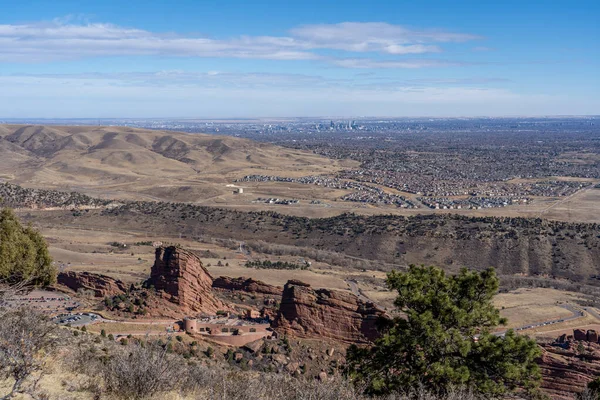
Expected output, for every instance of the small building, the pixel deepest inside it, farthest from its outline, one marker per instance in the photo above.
(238, 191)
(228, 331)
(251, 314)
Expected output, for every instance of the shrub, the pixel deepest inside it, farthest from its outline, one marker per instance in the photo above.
(142, 372)
(23, 253)
(24, 336)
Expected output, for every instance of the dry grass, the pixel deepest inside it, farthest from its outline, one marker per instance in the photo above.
(124, 328)
(121, 162)
(526, 306)
(581, 207)
(316, 278)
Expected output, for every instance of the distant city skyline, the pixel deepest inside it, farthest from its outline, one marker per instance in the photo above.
(237, 59)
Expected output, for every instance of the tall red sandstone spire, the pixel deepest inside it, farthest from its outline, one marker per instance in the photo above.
(182, 279)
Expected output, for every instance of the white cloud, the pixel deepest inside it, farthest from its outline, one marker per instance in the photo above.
(63, 40)
(248, 80)
(58, 41)
(376, 37)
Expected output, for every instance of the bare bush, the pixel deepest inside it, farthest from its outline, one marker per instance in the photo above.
(24, 336)
(221, 384)
(147, 371)
(139, 372)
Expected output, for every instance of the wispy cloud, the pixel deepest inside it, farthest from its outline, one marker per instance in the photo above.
(242, 80)
(177, 78)
(377, 37)
(367, 63)
(58, 41)
(458, 81)
(62, 39)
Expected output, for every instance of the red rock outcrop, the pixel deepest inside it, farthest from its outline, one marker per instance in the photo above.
(183, 280)
(246, 285)
(565, 373)
(569, 363)
(323, 313)
(579, 334)
(101, 285)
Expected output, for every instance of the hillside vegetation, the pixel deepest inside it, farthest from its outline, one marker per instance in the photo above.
(513, 245)
(529, 246)
(523, 246)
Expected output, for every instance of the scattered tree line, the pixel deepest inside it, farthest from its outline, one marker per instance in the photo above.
(17, 196)
(267, 264)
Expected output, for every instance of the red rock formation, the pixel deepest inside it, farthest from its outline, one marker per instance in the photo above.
(101, 285)
(579, 334)
(182, 279)
(324, 313)
(565, 373)
(246, 285)
(567, 367)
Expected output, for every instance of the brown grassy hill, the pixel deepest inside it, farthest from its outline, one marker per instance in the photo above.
(128, 162)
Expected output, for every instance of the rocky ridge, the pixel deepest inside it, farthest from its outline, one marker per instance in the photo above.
(101, 285)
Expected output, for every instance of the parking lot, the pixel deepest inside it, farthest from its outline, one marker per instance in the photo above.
(80, 319)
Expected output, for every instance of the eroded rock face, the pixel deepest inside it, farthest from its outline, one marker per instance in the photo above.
(101, 285)
(182, 279)
(246, 285)
(570, 363)
(323, 313)
(566, 373)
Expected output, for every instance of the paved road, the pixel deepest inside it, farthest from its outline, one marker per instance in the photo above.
(575, 314)
(593, 312)
(358, 293)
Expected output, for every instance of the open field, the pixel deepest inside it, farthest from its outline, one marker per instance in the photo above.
(525, 306)
(583, 206)
(91, 251)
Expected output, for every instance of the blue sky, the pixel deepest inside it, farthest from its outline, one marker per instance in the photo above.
(215, 59)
